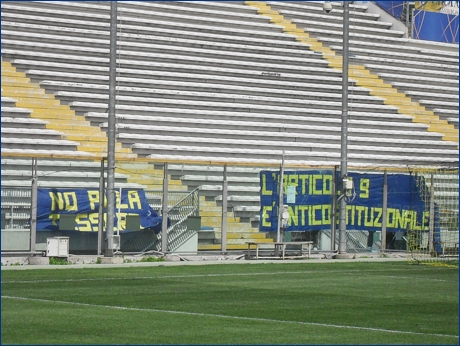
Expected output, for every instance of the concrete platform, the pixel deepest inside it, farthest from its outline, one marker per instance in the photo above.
(344, 256)
(35, 260)
(78, 262)
(112, 260)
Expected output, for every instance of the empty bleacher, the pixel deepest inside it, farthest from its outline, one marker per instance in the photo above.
(375, 48)
(219, 82)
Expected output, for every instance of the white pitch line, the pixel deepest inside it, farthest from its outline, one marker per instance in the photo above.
(165, 277)
(408, 277)
(231, 317)
(210, 275)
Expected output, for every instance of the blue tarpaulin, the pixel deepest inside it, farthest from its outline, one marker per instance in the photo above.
(84, 204)
(308, 195)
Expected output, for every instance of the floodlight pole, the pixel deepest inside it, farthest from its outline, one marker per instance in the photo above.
(111, 131)
(344, 135)
(164, 211)
(280, 201)
(432, 216)
(33, 206)
(100, 227)
(224, 212)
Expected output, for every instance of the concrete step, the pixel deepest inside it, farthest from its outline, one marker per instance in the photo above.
(251, 235)
(217, 247)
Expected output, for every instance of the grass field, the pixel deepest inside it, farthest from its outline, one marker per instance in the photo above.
(279, 303)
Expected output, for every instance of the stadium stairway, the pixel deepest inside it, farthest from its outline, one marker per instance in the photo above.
(363, 77)
(88, 139)
(239, 231)
(59, 117)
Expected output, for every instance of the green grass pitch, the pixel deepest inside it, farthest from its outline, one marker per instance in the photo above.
(275, 303)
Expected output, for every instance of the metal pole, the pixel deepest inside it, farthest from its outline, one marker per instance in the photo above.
(334, 209)
(164, 212)
(120, 192)
(111, 130)
(100, 225)
(224, 213)
(431, 231)
(33, 206)
(344, 134)
(281, 200)
(384, 211)
(409, 31)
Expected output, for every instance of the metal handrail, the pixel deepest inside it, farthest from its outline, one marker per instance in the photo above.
(16, 213)
(178, 233)
(354, 244)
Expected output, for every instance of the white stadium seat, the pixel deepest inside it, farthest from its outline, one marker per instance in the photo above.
(203, 84)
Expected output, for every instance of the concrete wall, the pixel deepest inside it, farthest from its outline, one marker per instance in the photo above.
(15, 239)
(19, 240)
(191, 245)
(80, 243)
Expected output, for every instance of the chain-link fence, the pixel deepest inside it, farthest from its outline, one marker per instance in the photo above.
(196, 195)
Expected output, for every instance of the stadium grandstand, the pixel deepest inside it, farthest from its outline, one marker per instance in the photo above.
(207, 87)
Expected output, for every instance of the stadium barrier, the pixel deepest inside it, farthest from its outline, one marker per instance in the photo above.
(226, 211)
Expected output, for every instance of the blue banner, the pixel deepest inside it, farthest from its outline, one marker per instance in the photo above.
(84, 204)
(395, 8)
(308, 197)
(434, 26)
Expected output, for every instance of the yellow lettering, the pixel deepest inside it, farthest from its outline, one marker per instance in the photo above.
(413, 223)
(349, 215)
(94, 220)
(391, 217)
(70, 199)
(377, 219)
(64, 201)
(120, 204)
(315, 179)
(83, 223)
(326, 214)
(303, 209)
(266, 212)
(293, 180)
(293, 215)
(400, 219)
(310, 217)
(364, 188)
(56, 199)
(54, 218)
(368, 217)
(134, 200)
(327, 184)
(360, 210)
(310, 185)
(122, 220)
(265, 191)
(303, 178)
(408, 216)
(313, 210)
(426, 221)
(93, 197)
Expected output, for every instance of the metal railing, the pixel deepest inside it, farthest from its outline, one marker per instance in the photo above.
(16, 208)
(178, 232)
(16, 202)
(356, 241)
